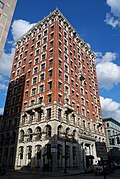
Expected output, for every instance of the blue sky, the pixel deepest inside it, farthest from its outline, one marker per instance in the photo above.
(97, 23)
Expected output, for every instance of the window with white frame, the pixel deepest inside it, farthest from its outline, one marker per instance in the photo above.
(83, 112)
(35, 70)
(66, 78)
(42, 77)
(33, 92)
(34, 81)
(42, 66)
(37, 52)
(41, 88)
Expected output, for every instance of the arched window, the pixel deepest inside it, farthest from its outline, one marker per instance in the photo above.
(21, 136)
(48, 131)
(59, 131)
(67, 131)
(38, 151)
(38, 133)
(21, 149)
(29, 134)
(118, 140)
(29, 152)
(74, 134)
(83, 112)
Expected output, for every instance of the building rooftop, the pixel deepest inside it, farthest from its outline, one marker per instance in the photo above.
(111, 120)
(45, 20)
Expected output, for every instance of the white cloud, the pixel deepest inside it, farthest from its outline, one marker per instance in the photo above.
(20, 27)
(115, 7)
(112, 21)
(6, 62)
(3, 87)
(108, 72)
(113, 17)
(110, 108)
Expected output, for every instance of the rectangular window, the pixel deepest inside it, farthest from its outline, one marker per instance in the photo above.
(38, 52)
(66, 68)
(51, 44)
(50, 85)
(45, 32)
(49, 113)
(51, 35)
(51, 53)
(33, 91)
(50, 62)
(34, 80)
(52, 28)
(59, 85)
(35, 70)
(59, 98)
(41, 88)
(40, 100)
(50, 73)
(66, 78)
(45, 40)
(42, 77)
(42, 66)
(36, 61)
(59, 113)
(49, 98)
(59, 73)
(44, 48)
(43, 56)
(38, 44)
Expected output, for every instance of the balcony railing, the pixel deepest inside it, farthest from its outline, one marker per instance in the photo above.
(68, 108)
(35, 107)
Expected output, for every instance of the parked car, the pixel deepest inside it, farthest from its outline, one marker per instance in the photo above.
(2, 170)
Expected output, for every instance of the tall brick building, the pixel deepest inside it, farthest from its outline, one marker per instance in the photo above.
(52, 113)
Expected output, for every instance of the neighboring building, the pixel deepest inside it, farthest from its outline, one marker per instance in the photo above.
(53, 107)
(112, 129)
(6, 12)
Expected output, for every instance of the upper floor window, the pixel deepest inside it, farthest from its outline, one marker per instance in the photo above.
(50, 73)
(52, 28)
(50, 85)
(45, 32)
(42, 66)
(43, 56)
(34, 80)
(35, 70)
(50, 62)
(38, 52)
(42, 76)
(36, 61)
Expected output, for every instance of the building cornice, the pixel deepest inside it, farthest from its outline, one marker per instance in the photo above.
(57, 15)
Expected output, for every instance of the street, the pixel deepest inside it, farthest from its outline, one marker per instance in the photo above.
(18, 175)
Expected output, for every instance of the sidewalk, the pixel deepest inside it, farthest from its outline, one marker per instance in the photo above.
(57, 173)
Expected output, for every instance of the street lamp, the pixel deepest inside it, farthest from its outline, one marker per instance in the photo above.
(66, 156)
